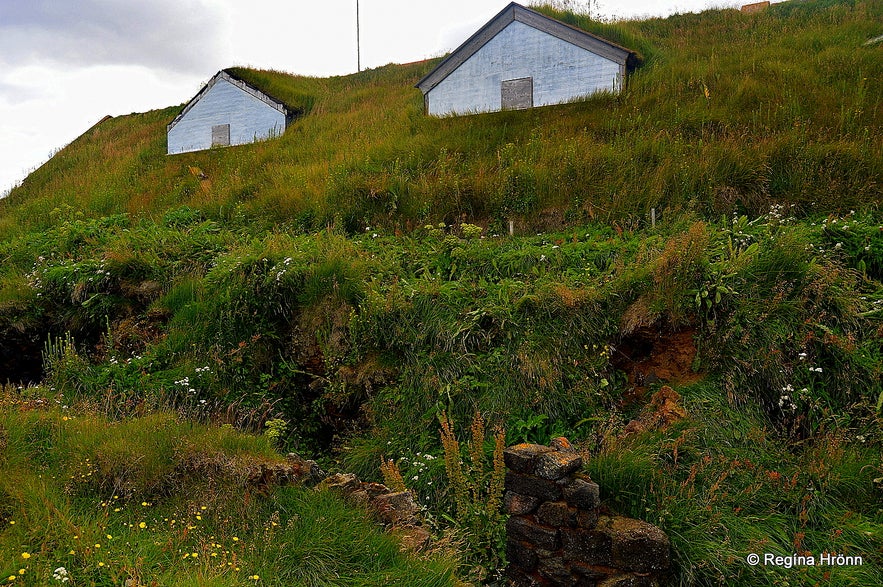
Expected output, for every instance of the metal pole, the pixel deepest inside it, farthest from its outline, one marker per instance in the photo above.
(358, 41)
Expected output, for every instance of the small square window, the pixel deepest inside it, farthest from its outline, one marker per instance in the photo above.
(517, 93)
(221, 135)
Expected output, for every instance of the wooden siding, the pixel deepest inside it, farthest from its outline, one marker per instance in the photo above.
(561, 72)
(250, 118)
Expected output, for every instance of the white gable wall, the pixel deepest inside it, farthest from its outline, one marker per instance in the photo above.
(249, 118)
(560, 70)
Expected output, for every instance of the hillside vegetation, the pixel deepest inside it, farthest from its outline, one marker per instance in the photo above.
(349, 288)
(728, 110)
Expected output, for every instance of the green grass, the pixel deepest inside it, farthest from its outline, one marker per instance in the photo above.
(727, 111)
(355, 279)
(157, 500)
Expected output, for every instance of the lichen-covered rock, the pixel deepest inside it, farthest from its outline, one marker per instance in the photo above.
(343, 482)
(412, 538)
(396, 509)
(561, 444)
(589, 546)
(529, 531)
(636, 545)
(517, 504)
(522, 457)
(557, 513)
(582, 493)
(521, 553)
(545, 489)
(556, 465)
(556, 571)
(587, 519)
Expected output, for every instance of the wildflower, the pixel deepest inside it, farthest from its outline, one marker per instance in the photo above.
(26, 555)
(61, 574)
(142, 525)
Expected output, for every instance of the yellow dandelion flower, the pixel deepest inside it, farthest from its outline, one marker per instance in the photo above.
(144, 504)
(97, 545)
(72, 552)
(12, 522)
(109, 537)
(235, 539)
(142, 525)
(26, 555)
(11, 578)
(100, 564)
(195, 555)
(21, 571)
(198, 517)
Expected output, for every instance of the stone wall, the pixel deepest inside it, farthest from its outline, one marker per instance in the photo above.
(557, 533)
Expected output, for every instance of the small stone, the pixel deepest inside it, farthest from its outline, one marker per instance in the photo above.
(361, 497)
(412, 538)
(524, 529)
(518, 505)
(556, 465)
(343, 482)
(522, 457)
(375, 489)
(636, 545)
(587, 519)
(533, 486)
(556, 571)
(561, 444)
(588, 546)
(583, 494)
(591, 573)
(557, 513)
(520, 553)
(396, 508)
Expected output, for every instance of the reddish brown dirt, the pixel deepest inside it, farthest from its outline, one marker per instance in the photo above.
(650, 355)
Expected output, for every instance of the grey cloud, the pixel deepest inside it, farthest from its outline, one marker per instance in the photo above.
(177, 35)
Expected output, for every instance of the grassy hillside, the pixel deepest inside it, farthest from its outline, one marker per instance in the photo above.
(728, 111)
(352, 282)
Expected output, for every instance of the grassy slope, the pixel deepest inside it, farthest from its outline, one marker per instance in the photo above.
(354, 338)
(728, 109)
(160, 501)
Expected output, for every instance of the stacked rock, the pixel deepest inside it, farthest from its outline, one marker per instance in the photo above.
(555, 534)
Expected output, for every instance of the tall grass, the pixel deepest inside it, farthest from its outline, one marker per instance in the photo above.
(727, 110)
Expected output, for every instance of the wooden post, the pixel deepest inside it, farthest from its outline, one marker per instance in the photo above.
(653, 217)
(511, 227)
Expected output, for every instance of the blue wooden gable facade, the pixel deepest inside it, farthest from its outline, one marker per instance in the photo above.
(521, 59)
(227, 111)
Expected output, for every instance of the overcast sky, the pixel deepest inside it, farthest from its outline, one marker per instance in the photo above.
(65, 64)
